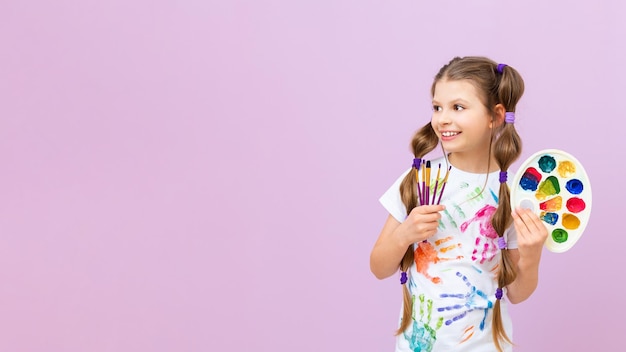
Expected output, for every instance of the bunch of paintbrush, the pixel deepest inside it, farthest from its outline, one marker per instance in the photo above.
(424, 187)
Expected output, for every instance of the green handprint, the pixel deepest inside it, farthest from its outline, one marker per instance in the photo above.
(423, 335)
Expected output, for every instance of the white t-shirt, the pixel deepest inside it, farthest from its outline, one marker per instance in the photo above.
(453, 280)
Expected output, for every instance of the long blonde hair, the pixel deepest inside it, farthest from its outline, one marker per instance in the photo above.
(495, 86)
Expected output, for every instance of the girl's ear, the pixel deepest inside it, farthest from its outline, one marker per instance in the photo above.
(498, 118)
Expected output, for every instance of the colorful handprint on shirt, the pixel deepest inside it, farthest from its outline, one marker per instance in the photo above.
(426, 254)
(471, 299)
(423, 335)
(486, 241)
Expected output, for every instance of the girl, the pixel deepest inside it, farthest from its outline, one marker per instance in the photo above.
(460, 258)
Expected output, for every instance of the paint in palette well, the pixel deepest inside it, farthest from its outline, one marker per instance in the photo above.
(549, 217)
(574, 186)
(570, 221)
(547, 188)
(530, 179)
(547, 163)
(559, 235)
(566, 168)
(553, 204)
(575, 205)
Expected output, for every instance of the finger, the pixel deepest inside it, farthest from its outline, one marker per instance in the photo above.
(529, 227)
(536, 226)
(531, 220)
(427, 224)
(424, 217)
(518, 222)
(428, 209)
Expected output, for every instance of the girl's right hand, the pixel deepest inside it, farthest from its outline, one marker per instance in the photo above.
(420, 225)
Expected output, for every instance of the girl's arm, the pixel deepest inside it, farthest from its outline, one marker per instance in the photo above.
(531, 236)
(388, 250)
(396, 237)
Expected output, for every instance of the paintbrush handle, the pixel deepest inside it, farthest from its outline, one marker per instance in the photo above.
(417, 184)
(436, 184)
(441, 193)
(427, 180)
(435, 191)
(423, 183)
(444, 183)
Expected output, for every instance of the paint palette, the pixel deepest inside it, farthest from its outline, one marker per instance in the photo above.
(555, 185)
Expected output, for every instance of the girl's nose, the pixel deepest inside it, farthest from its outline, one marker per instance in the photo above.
(443, 118)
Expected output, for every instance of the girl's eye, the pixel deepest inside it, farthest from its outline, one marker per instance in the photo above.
(436, 108)
(458, 107)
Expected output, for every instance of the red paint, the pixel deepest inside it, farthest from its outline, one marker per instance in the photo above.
(535, 174)
(575, 205)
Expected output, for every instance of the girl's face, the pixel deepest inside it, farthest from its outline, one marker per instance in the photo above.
(460, 119)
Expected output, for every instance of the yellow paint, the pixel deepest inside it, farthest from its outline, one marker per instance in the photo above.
(570, 222)
(566, 168)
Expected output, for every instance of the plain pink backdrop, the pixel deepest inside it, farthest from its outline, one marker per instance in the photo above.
(204, 176)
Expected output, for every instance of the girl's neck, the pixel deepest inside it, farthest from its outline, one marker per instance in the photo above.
(476, 164)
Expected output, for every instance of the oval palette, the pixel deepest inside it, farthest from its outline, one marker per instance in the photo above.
(555, 185)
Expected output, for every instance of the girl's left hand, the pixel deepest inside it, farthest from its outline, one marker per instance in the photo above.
(531, 233)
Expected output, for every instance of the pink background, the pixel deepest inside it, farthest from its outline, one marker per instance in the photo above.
(204, 176)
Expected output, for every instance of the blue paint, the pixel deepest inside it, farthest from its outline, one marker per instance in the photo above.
(550, 218)
(574, 186)
(530, 179)
(493, 195)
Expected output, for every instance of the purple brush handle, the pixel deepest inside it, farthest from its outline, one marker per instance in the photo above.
(435, 191)
(419, 191)
(441, 193)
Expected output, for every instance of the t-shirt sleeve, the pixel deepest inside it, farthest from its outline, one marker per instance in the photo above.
(392, 201)
(511, 237)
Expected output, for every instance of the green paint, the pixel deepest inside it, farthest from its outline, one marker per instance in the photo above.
(548, 188)
(559, 235)
(476, 196)
(460, 211)
(450, 219)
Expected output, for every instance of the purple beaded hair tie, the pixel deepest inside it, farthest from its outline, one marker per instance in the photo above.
(503, 176)
(500, 68)
(509, 117)
(498, 293)
(403, 278)
(416, 163)
(501, 243)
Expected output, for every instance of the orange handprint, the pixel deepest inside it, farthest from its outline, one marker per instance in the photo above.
(426, 253)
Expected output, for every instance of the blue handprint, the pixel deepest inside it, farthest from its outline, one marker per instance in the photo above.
(423, 335)
(472, 298)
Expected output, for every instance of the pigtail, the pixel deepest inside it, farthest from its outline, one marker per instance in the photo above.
(507, 148)
(424, 141)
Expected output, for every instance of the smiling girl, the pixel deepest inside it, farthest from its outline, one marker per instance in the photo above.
(461, 258)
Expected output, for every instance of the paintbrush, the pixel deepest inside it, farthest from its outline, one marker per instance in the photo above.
(416, 166)
(436, 184)
(427, 182)
(422, 199)
(444, 183)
